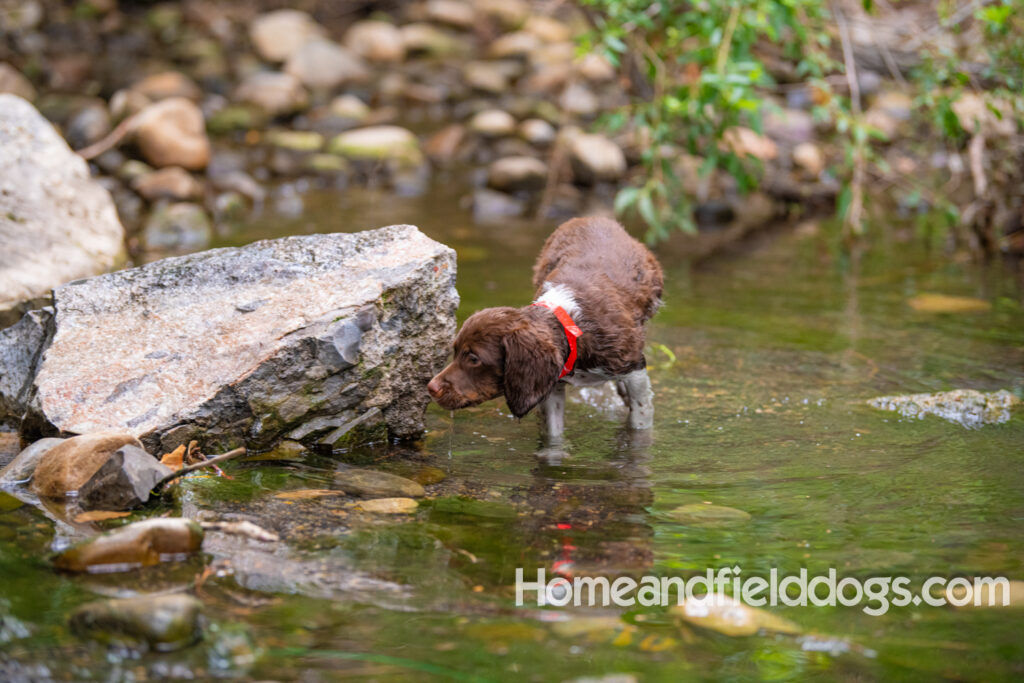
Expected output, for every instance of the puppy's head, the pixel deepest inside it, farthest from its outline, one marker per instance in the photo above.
(500, 351)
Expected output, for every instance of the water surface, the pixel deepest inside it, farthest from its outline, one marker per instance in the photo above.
(760, 364)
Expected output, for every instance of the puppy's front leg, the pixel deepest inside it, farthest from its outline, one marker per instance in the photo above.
(639, 397)
(552, 412)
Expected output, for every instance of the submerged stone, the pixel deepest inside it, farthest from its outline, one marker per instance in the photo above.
(388, 506)
(163, 622)
(699, 514)
(140, 544)
(374, 484)
(965, 407)
(251, 343)
(471, 507)
(726, 615)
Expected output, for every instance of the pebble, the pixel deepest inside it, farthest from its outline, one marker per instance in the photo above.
(493, 123)
(163, 622)
(374, 484)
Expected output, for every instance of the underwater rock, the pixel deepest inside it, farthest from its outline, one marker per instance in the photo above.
(140, 544)
(388, 506)
(162, 622)
(966, 407)
(56, 222)
(251, 343)
(374, 484)
(699, 514)
(68, 465)
(928, 302)
(728, 616)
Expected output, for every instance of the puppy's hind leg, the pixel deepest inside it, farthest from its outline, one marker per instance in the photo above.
(552, 411)
(635, 389)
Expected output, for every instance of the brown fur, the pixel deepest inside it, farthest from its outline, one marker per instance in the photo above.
(519, 352)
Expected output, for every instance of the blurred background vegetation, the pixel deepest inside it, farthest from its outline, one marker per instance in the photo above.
(700, 71)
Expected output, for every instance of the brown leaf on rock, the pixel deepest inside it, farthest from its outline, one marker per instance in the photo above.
(175, 459)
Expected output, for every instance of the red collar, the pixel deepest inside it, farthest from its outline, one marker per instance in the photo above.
(572, 333)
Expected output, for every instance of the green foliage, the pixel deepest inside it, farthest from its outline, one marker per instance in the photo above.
(704, 67)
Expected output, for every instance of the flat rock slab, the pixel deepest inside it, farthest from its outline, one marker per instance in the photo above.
(56, 222)
(234, 346)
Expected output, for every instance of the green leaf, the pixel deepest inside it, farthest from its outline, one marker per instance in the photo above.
(626, 197)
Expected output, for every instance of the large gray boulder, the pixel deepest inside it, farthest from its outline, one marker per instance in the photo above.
(56, 223)
(295, 337)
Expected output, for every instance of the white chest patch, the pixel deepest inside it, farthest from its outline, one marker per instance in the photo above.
(560, 296)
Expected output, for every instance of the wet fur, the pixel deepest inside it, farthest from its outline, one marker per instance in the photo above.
(617, 284)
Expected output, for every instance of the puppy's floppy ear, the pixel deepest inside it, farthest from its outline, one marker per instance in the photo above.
(531, 369)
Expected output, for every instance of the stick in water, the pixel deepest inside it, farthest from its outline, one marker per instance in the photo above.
(198, 466)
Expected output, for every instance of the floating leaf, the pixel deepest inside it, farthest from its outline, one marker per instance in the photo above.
(942, 303)
(100, 515)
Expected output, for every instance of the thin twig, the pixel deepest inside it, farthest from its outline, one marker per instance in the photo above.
(198, 466)
(723, 50)
(115, 136)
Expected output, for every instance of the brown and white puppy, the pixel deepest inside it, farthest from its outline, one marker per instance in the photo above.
(609, 284)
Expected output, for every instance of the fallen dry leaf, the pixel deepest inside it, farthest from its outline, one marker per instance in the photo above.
(305, 494)
(174, 459)
(100, 515)
(942, 303)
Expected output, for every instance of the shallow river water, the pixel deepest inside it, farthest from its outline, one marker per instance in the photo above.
(760, 363)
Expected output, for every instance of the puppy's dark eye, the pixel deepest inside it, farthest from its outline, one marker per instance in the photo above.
(472, 359)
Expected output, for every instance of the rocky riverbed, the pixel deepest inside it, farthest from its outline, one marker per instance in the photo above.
(196, 116)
